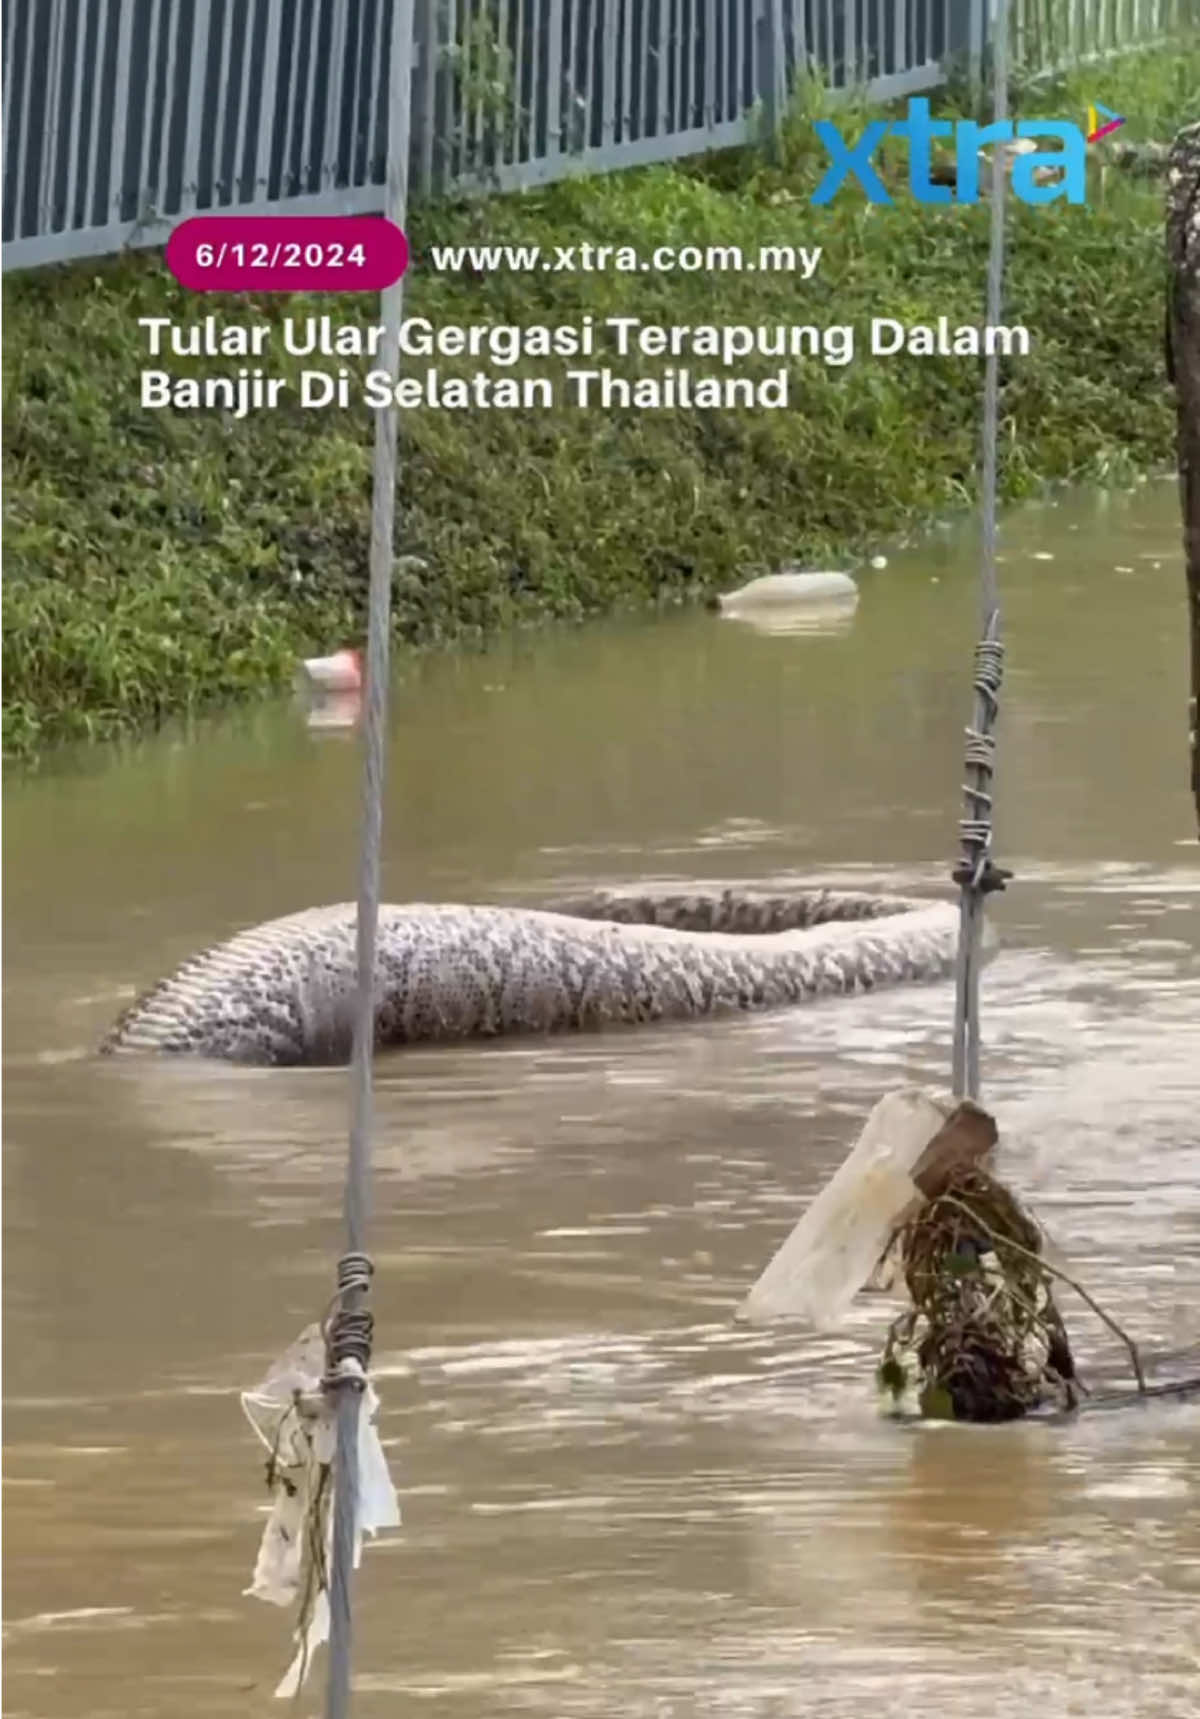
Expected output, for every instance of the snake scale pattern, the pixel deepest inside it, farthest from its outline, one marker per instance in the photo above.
(283, 993)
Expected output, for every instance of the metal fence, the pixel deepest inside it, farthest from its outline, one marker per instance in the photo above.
(1050, 35)
(122, 117)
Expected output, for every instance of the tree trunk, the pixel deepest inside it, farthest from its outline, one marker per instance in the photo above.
(1183, 364)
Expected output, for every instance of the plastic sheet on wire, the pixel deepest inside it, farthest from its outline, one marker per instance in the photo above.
(297, 1424)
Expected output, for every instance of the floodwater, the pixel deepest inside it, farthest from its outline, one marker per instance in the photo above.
(616, 1501)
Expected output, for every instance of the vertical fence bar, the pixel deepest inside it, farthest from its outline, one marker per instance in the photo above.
(745, 54)
(556, 61)
(610, 17)
(975, 51)
(626, 13)
(770, 67)
(120, 110)
(54, 105)
(645, 119)
(480, 48)
(447, 87)
(425, 28)
(238, 180)
(461, 83)
(75, 132)
(193, 123)
(589, 71)
(800, 38)
(222, 116)
(266, 112)
(520, 66)
(664, 62)
(550, 91)
(308, 139)
(544, 90)
(293, 86)
(16, 125)
(335, 85)
(93, 163)
(709, 107)
(24, 161)
(364, 13)
(10, 42)
(498, 125)
(148, 154)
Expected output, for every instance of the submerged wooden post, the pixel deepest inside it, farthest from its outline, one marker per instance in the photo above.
(1183, 363)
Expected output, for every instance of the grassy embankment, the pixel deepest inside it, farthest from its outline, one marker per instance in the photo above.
(159, 563)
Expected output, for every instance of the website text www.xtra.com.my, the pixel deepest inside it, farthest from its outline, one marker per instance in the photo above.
(587, 258)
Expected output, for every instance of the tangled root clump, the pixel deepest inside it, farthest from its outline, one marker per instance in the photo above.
(983, 1333)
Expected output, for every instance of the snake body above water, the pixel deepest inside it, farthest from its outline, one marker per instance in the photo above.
(283, 993)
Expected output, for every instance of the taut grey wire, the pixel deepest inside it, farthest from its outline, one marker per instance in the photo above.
(975, 872)
(350, 1330)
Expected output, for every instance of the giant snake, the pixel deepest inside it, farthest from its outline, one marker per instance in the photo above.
(284, 992)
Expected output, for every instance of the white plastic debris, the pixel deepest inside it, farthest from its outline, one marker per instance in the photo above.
(297, 1424)
(332, 689)
(789, 587)
(879, 562)
(341, 672)
(836, 1247)
(793, 601)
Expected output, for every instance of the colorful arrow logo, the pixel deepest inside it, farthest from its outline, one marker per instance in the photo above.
(1096, 113)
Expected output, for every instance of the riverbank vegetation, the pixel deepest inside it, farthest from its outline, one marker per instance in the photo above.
(159, 562)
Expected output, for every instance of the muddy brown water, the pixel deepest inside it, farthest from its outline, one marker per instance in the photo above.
(616, 1501)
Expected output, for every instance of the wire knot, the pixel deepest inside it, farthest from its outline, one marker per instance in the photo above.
(975, 871)
(349, 1329)
(989, 674)
(354, 1273)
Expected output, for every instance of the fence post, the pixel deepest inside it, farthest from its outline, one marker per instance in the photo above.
(771, 72)
(977, 31)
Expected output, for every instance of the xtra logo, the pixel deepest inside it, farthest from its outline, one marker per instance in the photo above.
(1095, 130)
(1037, 175)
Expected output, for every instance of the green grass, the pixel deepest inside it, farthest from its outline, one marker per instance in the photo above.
(159, 564)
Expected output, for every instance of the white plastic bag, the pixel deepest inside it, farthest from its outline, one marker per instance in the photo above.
(297, 1424)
